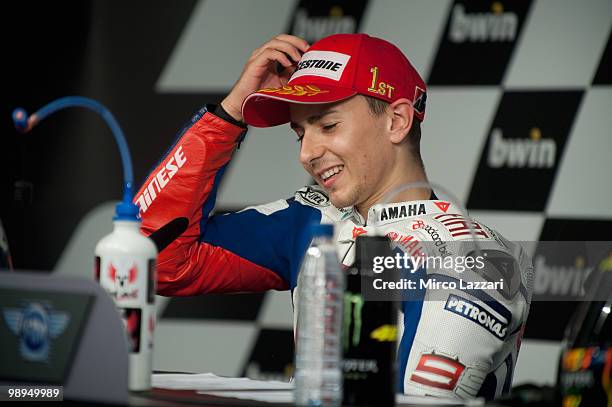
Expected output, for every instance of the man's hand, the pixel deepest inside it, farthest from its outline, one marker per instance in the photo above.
(262, 71)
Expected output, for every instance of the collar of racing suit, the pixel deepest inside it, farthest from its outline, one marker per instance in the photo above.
(355, 216)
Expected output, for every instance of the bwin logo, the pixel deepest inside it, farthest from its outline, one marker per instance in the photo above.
(496, 26)
(534, 152)
(558, 280)
(314, 28)
(35, 326)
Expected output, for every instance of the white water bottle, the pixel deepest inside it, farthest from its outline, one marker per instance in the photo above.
(318, 373)
(126, 268)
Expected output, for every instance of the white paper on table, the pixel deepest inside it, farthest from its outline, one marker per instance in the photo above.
(404, 399)
(210, 381)
(276, 396)
(280, 396)
(261, 390)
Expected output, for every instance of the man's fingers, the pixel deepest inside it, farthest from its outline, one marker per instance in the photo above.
(291, 50)
(276, 55)
(274, 61)
(297, 42)
(288, 48)
(284, 42)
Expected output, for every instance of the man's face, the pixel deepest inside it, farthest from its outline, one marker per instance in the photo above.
(344, 148)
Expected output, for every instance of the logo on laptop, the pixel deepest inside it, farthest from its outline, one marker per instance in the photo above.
(35, 325)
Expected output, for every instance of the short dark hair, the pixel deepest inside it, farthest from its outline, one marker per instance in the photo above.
(378, 107)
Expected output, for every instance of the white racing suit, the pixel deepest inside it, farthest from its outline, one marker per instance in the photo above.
(460, 346)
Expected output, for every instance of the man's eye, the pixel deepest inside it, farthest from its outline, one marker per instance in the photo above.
(299, 138)
(329, 127)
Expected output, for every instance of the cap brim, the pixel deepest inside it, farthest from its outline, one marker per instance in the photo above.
(270, 107)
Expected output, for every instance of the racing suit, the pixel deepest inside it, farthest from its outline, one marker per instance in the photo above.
(462, 346)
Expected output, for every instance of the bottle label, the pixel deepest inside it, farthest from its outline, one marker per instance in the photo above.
(126, 279)
(132, 320)
(130, 282)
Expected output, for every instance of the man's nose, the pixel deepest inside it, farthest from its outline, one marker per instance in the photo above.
(310, 150)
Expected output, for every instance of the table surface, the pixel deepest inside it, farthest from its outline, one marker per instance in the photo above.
(166, 398)
(225, 391)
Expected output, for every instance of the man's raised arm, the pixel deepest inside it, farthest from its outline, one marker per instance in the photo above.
(179, 194)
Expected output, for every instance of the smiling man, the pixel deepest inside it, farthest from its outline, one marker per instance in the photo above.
(358, 161)
(356, 104)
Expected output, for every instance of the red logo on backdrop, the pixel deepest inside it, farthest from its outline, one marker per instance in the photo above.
(442, 205)
(438, 371)
(358, 232)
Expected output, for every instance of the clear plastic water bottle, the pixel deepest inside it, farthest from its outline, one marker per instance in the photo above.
(318, 374)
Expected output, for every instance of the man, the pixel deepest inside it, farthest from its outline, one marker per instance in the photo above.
(355, 103)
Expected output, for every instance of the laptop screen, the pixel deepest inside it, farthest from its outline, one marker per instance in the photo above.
(39, 333)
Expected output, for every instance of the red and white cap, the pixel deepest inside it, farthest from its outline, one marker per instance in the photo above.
(336, 68)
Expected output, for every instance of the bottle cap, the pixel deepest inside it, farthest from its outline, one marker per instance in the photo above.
(319, 229)
(126, 211)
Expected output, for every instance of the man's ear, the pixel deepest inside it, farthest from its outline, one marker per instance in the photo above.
(401, 114)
